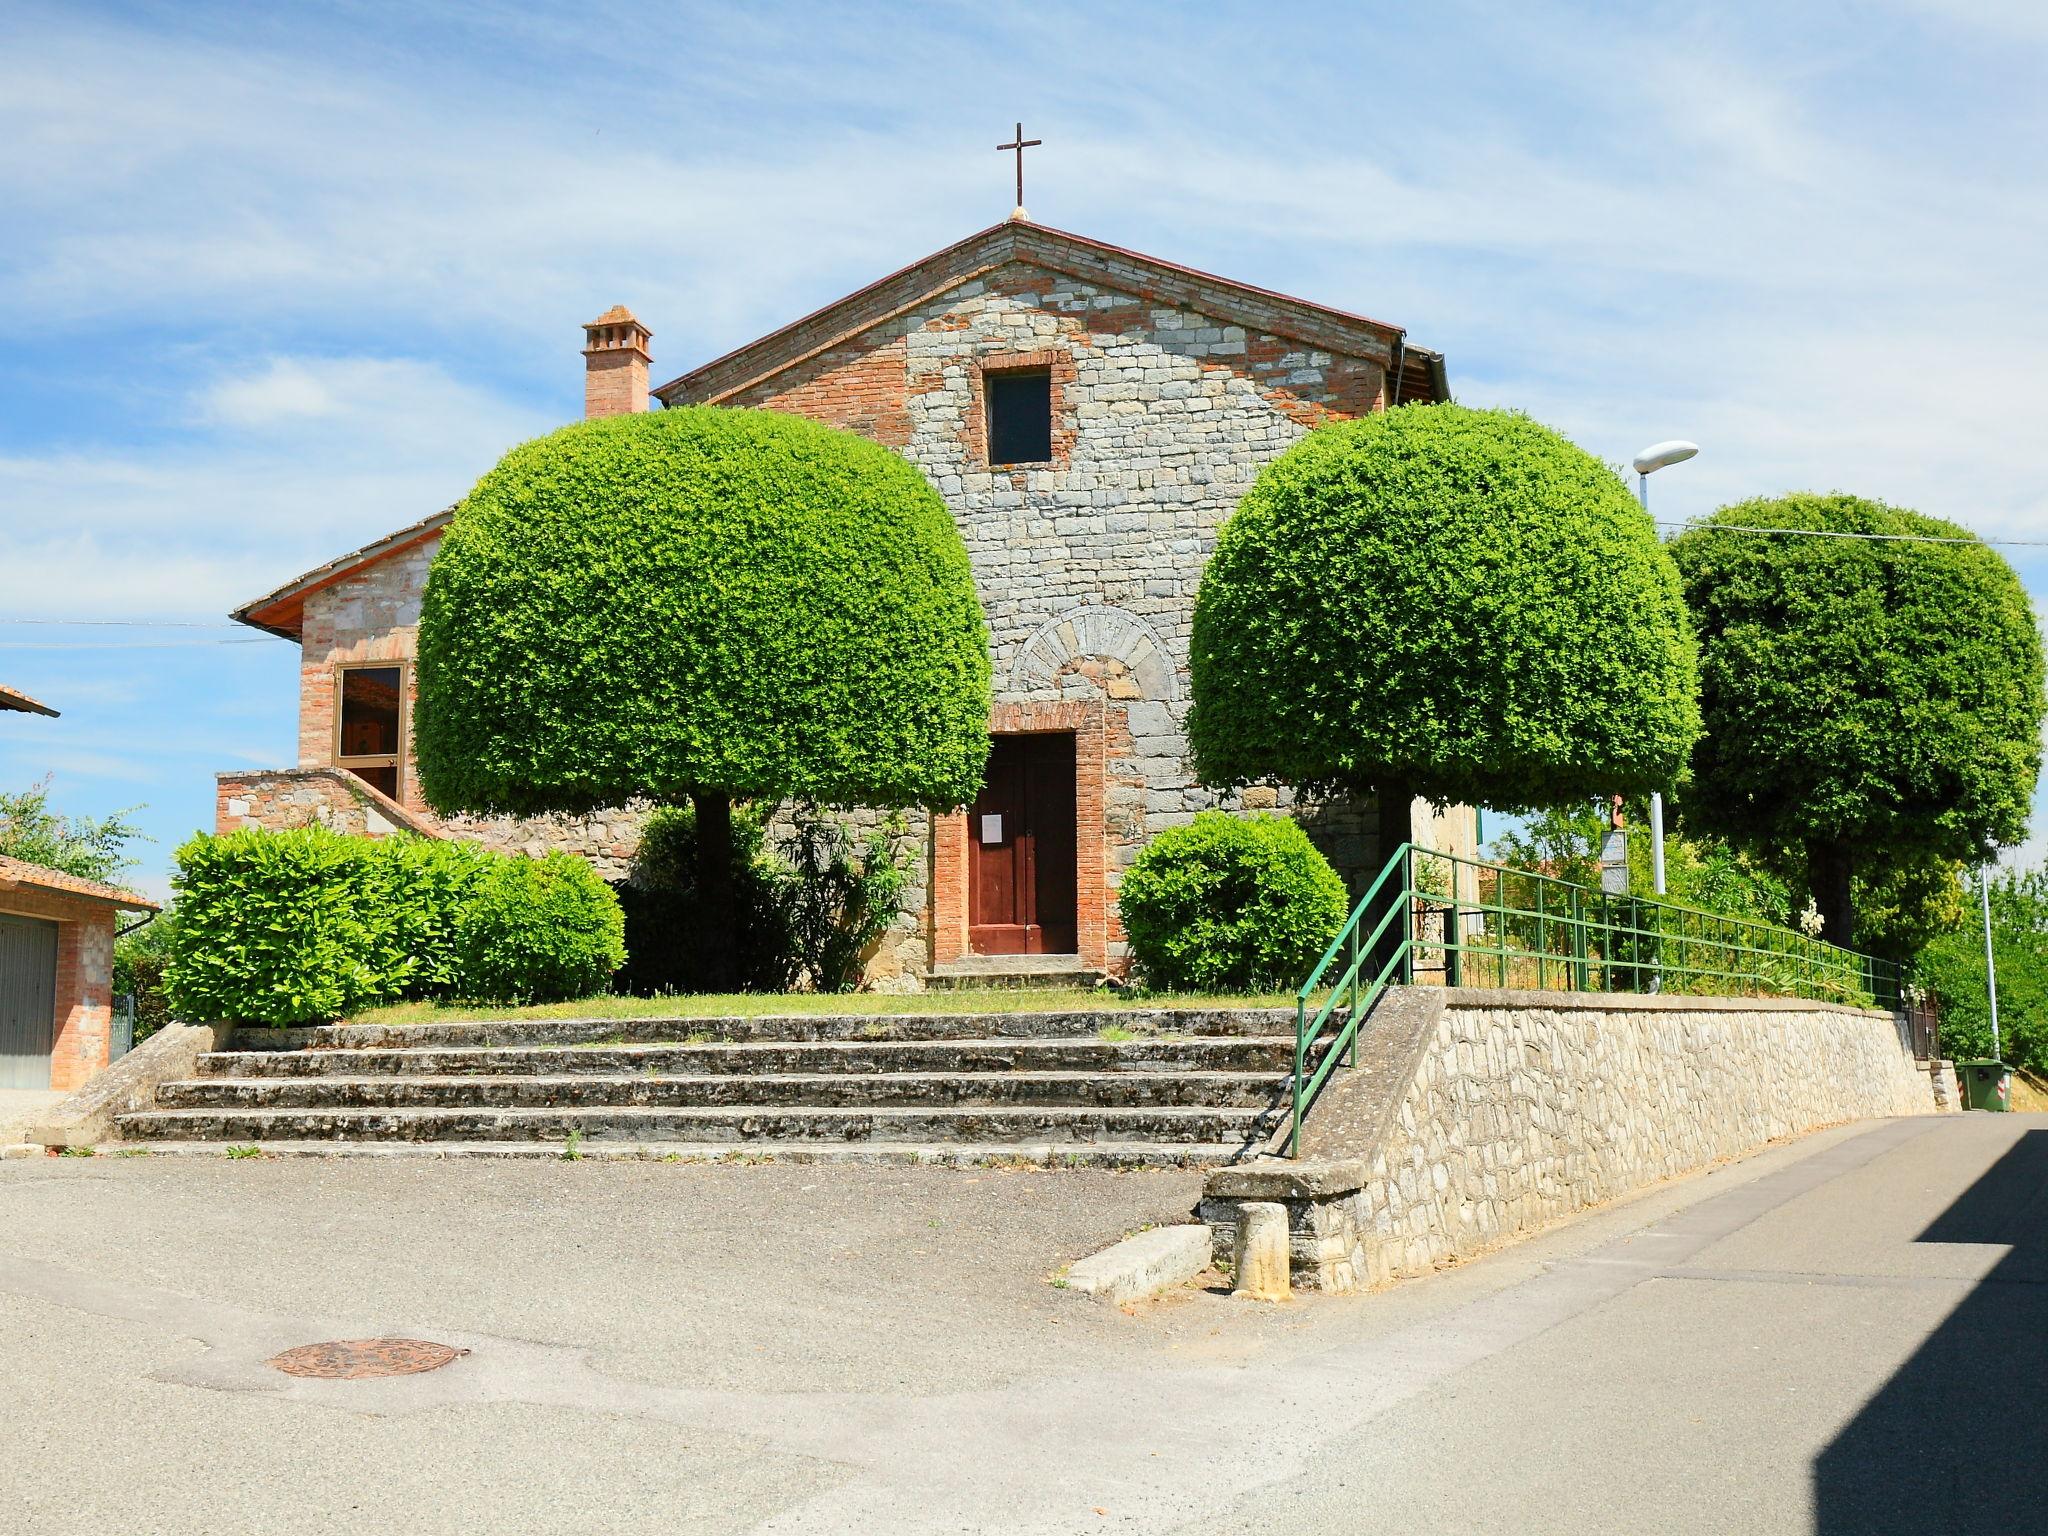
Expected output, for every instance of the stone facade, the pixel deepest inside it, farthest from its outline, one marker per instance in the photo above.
(1477, 1117)
(1170, 391)
(1088, 564)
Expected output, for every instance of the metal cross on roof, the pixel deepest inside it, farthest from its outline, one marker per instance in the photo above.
(1020, 144)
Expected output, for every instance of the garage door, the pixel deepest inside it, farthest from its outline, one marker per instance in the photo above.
(28, 1001)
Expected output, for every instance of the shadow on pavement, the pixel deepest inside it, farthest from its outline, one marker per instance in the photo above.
(1957, 1439)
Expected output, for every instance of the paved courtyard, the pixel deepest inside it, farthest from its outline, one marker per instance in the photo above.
(1812, 1340)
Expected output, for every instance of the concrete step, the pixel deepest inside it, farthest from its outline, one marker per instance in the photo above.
(1129, 1154)
(1080, 1054)
(1064, 1025)
(1234, 1127)
(851, 1091)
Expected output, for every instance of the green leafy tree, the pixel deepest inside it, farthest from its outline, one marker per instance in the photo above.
(92, 849)
(701, 605)
(1444, 602)
(1952, 965)
(1873, 703)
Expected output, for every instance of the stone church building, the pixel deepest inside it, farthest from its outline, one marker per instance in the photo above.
(1091, 416)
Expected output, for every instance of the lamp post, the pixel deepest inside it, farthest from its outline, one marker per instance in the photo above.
(1990, 959)
(1653, 458)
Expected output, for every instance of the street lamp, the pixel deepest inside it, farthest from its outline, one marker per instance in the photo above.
(1990, 959)
(1653, 458)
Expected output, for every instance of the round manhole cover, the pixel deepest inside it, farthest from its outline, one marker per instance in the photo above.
(360, 1359)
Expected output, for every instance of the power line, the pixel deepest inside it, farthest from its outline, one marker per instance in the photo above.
(129, 623)
(124, 645)
(1832, 533)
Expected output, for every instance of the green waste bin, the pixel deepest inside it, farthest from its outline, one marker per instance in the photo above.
(1986, 1084)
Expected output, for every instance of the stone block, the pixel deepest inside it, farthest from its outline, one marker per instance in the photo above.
(1143, 1264)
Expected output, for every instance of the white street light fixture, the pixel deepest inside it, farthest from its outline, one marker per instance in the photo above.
(1663, 455)
(1653, 458)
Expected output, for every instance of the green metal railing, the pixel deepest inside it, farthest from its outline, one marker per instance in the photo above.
(1438, 919)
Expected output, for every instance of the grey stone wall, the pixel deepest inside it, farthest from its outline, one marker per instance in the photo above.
(1477, 1117)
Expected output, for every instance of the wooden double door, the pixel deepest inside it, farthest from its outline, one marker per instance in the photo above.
(1021, 896)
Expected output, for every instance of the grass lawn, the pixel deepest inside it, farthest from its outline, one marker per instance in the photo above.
(727, 1005)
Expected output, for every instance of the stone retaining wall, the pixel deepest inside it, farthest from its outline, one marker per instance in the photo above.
(1475, 1117)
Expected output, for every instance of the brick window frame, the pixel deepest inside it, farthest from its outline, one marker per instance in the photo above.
(1059, 365)
(1088, 721)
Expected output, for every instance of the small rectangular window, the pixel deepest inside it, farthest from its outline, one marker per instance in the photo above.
(370, 726)
(1019, 416)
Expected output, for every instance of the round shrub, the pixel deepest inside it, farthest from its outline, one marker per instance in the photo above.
(540, 930)
(1230, 904)
(672, 603)
(1446, 602)
(1873, 704)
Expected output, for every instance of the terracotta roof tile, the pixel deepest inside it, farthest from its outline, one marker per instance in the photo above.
(14, 698)
(36, 877)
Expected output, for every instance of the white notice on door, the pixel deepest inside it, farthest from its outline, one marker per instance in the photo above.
(991, 829)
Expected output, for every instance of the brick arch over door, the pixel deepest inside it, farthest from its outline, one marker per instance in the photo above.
(1096, 630)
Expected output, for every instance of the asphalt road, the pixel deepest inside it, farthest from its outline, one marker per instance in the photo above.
(1848, 1334)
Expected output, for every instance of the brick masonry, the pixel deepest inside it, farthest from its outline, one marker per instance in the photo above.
(85, 980)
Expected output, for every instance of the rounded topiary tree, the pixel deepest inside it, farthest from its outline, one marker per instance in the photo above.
(1230, 904)
(1443, 602)
(703, 605)
(1870, 703)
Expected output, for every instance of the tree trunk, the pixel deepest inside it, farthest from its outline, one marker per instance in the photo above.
(1393, 808)
(717, 930)
(1827, 876)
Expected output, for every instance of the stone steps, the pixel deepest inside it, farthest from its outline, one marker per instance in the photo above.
(832, 1058)
(1144, 1023)
(957, 1154)
(930, 1090)
(756, 1124)
(1120, 1088)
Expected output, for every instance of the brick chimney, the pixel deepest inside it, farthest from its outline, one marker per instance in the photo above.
(615, 364)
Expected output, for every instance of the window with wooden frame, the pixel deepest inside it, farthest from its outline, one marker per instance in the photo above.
(369, 723)
(1018, 402)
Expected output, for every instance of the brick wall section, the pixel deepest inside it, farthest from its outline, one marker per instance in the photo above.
(85, 980)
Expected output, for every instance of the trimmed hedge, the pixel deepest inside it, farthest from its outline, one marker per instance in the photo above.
(538, 931)
(305, 926)
(1230, 904)
(665, 604)
(1447, 602)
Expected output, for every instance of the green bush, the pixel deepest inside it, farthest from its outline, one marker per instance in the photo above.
(836, 904)
(277, 928)
(1445, 602)
(1873, 703)
(1230, 904)
(667, 604)
(305, 926)
(538, 931)
(664, 912)
(806, 908)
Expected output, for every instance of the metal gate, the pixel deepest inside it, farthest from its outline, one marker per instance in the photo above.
(28, 1001)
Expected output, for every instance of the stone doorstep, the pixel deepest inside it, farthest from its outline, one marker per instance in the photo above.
(1143, 1264)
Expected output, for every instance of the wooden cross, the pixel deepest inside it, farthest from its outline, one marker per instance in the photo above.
(1020, 144)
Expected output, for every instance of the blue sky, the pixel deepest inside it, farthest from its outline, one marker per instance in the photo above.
(276, 280)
